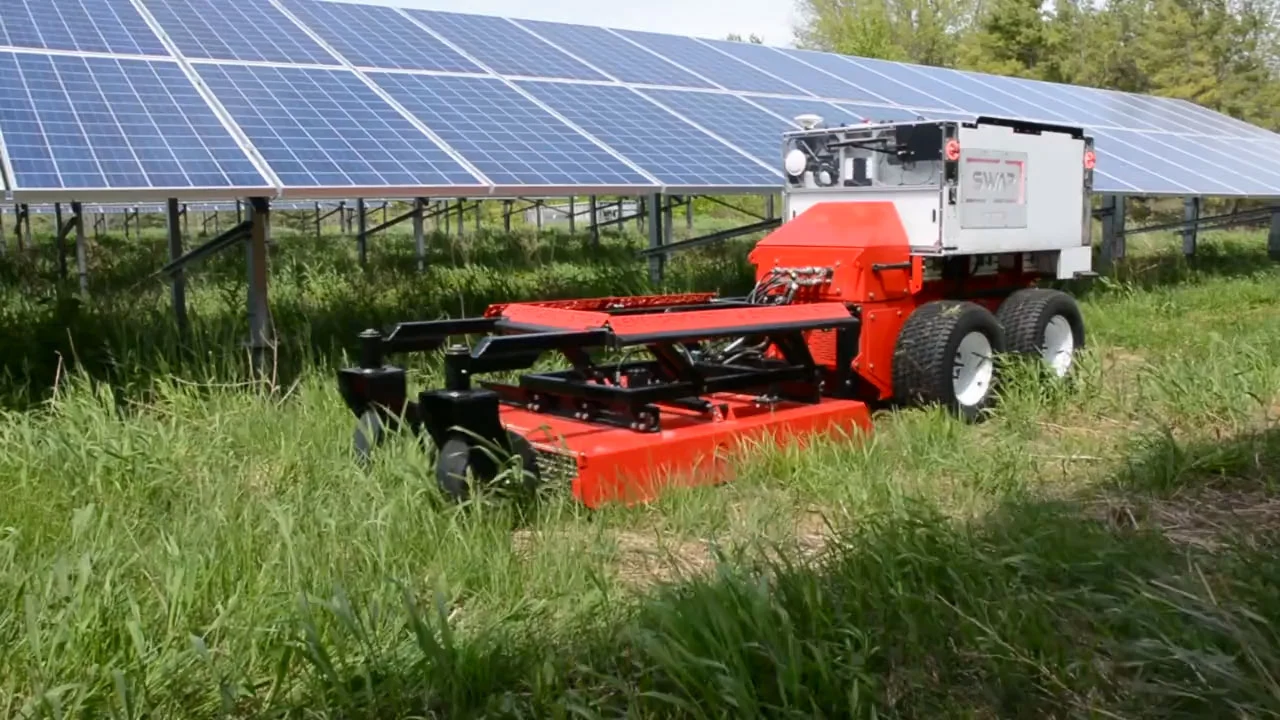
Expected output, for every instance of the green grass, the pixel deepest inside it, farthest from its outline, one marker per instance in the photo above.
(175, 543)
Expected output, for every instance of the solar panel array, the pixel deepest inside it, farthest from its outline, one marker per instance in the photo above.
(103, 100)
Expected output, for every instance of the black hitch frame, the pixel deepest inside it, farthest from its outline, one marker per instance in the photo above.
(616, 393)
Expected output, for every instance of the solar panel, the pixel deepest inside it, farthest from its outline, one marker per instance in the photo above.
(239, 30)
(1133, 147)
(320, 128)
(1225, 167)
(106, 26)
(790, 108)
(877, 113)
(1068, 112)
(724, 70)
(1014, 104)
(665, 146)
(506, 135)
(731, 118)
(71, 123)
(875, 87)
(613, 55)
(357, 32)
(813, 80)
(504, 47)
(982, 103)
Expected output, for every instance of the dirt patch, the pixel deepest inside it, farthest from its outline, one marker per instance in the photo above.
(644, 559)
(1208, 518)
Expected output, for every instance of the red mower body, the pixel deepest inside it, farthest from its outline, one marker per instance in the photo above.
(854, 305)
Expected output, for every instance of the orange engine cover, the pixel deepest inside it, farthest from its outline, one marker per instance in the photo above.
(864, 243)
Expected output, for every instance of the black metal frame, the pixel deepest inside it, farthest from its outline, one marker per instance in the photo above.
(615, 393)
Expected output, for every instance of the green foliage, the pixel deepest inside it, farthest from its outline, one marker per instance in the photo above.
(181, 545)
(1222, 54)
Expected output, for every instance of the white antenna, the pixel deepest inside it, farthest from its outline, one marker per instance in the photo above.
(808, 121)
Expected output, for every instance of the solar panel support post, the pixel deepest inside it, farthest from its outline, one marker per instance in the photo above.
(461, 210)
(769, 209)
(506, 216)
(668, 206)
(419, 238)
(259, 310)
(362, 250)
(658, 260)
(594, 208)
(479, 204)
(573, 216)
(82, 264)
(688, 215)
(1273, 237)
(178, 282)
(60, 240)
(1191, 213)
(1113, 207)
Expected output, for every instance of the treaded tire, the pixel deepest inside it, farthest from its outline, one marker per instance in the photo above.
(924, 358)
(1026, 314)
(459, 455)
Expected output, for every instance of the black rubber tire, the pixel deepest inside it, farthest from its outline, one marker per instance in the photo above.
(460, 456)
(1025, 314)
(924, 356)
(369, 434)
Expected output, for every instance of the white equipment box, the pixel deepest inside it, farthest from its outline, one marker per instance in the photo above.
(987, 188)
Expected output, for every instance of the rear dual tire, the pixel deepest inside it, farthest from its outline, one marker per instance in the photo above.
(945, 355)
(947, 351)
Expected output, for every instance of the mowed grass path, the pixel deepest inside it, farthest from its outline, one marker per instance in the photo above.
(198, 548)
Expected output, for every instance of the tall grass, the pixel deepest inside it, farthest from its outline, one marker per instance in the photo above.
(173, 544)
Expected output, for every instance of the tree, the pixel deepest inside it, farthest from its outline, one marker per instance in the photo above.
(919, 31)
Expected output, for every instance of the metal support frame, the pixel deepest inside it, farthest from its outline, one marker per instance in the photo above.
(82, 261)
(1273, 237)
(1112, 213)
(1191, 213)
(594, 208)
(60, 240)
(711, 239)
(178, 282)
(259, 309)
(657, 236)
(362, 251)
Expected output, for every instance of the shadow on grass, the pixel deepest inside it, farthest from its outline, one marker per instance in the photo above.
(125, 334)
(1042, 609)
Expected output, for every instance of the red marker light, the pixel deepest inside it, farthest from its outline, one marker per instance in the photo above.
(1089, 160)
(953, 149)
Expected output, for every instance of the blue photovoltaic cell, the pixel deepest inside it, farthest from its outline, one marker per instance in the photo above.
(876, 87)
(790, 108)
(1254, 154)
(1179, 167)
(664, 145)
(726, 71)
(1128, 146)
(1016, 105)
(358, 33)
(326, 128)
(236, 30)
(1227, 168)
(614, 55)
(505, 134)
(92, 122)
(810, 78)
(109, 26)
(1035, 92)
(504, 47)
(1138, 114)
(731, 118)
(942, 89)
(1110, 112)
(1231, 127)
(885, 114)
(1209, 123)
(1170, 120)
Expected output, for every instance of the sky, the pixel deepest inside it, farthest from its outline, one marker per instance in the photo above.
(772, 20)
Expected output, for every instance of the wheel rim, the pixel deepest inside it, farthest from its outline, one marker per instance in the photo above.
(1059, 345)
(973, 369)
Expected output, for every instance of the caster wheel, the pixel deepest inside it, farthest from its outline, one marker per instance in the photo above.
(462, 460)
(369, 434)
